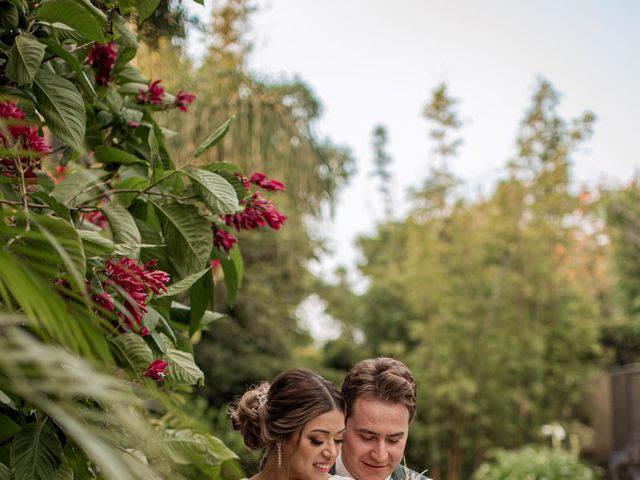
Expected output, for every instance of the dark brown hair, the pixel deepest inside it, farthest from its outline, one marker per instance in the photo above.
(384, 379)
(269, 413)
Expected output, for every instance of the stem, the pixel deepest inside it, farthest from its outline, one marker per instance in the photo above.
(23, 194)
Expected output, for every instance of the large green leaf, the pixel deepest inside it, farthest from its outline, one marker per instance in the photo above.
(182, 369)
(146, 8)
(65, 242)
(65, 472)
(188, 236)
(35, 452)
(9, 16)
(78, 187)
(228, 171)
(95, 245)
(184, 284)
(188, 447)
(124, 229)
(233, 268)
(78, 14)
(8, 428)
(25, 58)
(128, 38)
(215, 138)
(106, 154)
(62, 107)
(71, 61)
(215, 191)
(5, 473)
(135, 350)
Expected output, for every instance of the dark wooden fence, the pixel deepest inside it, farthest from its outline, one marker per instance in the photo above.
(616, 420)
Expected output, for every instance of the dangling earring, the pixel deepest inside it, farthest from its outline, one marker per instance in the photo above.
(279, 455)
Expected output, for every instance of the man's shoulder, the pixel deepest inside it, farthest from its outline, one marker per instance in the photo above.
(404, 473)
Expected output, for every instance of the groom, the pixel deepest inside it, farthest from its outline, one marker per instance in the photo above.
(380, 400)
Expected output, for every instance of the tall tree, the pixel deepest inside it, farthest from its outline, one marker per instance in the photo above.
(381, 162)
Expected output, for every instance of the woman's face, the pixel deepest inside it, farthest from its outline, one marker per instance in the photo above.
(314, 451)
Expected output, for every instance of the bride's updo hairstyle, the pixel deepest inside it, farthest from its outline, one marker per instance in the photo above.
(267, 414)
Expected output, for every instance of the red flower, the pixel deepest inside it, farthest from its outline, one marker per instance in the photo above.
(96, 218)
(184, 99)
(214, 264)
(133, 282)
(258, 212)
(223, 240)
(104, 301)
(103, 57)
(153, 95)
(24, 138)
(133, 124)
(260, 179)
(155, 279)
(156, 370)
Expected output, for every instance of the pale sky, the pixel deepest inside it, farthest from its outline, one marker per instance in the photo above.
(377, 61)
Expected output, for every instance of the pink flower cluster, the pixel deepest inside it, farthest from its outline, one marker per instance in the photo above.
(156, 370)
(184, 99)
(103, 57)
(223, 240)
(258, 212)
(153, 95)
(133, 283)
(24, 138)
(96, 218)
(260, 179)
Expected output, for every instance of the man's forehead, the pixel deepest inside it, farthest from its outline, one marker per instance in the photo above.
(377, 415)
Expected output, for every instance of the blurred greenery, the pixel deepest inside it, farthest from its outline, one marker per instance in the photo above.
(504, 304)
(535, 463)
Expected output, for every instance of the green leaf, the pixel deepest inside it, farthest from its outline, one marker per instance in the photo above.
(65, 472)
(130, 74)
(59, 208)
(25, 58)
(5, 473)
(182, 369)
(146, 8)
(6, 400)
(184, 284)
(124, 229)
(8, 428)
(228, 171)
(72, 61)
(78, 14)
(215, 191)
(35, 452)
(95, 245)
(233, 268)
(65, 241)
(62, 107)
(135, 350)
(9, 16)
(199, 298)
(130, 183)
(214, 139)
(106, 155)
(128, 38)
(188, 236)
(76, 188)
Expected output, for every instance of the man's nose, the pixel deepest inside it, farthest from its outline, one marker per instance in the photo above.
(379, 452)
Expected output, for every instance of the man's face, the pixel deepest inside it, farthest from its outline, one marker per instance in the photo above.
(374, 439)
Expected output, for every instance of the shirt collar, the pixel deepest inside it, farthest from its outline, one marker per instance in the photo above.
(342, 470)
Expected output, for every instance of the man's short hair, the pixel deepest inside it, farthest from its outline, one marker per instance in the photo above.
(384, 379)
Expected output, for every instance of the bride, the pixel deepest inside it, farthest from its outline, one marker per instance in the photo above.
(298, 422)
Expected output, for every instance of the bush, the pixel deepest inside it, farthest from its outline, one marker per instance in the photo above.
(535, 463)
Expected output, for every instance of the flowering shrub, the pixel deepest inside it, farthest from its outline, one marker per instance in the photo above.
(106, 246)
